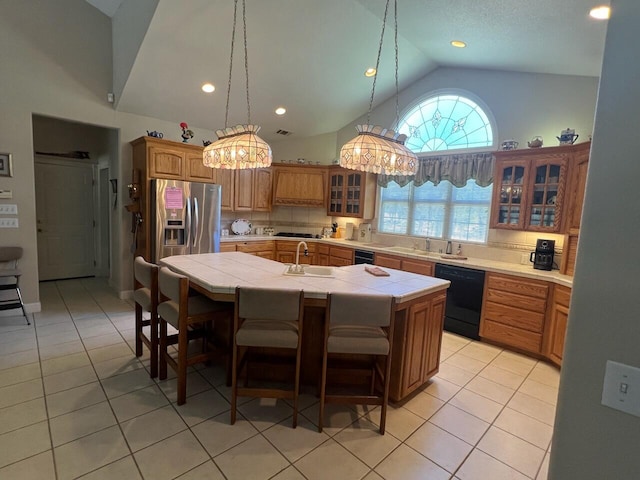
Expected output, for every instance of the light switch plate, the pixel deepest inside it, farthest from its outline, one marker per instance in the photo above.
(8, 223)
(621, 389)
(6, 194)
(8, 209)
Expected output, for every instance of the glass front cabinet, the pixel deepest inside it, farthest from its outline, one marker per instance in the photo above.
(529, 189)
(351, 193)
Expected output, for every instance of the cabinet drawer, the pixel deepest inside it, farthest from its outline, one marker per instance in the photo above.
(288, 246)
(506, 315)
(562, 295)
(518, 301)
(512, 336)
(345, 253)
(388, 261)
(322, 249)
(423, 268)
(227, 247)
(518, 285)
(249, 247)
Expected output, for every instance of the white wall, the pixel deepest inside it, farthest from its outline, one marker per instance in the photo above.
(592, 441)
(319, 148)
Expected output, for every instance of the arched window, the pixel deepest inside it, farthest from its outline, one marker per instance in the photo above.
(444, 200)
(446, 122)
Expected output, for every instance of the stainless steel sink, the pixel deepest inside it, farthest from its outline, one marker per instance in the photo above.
(309, 271)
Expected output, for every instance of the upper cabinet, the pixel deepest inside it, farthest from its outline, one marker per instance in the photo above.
(351, 193)
(531, 188)
(300, 186)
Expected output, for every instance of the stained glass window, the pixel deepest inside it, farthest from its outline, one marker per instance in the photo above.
(446, 122)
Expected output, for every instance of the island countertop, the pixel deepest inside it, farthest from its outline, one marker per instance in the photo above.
(221, 273)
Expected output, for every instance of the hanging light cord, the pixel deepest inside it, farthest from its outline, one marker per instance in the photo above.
(246, 60)
(395, 25)
(233, 36)
(373, 88)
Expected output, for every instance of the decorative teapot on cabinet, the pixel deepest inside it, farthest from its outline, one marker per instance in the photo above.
(568, 136)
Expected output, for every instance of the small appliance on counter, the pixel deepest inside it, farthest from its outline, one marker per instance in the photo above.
(364, 233)
(542, 258)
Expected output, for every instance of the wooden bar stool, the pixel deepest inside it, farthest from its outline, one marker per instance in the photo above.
(358, 325)
(266, 318)
(145, 295)
(193, 316)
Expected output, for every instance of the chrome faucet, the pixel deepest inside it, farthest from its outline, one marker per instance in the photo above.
(298, 267)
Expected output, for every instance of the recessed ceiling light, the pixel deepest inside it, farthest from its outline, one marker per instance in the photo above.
(208, 88)
(370, 72)
(458, 44)
(281, 111)
(601, 13)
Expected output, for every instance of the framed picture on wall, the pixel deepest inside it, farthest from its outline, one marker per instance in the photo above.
(5, 165)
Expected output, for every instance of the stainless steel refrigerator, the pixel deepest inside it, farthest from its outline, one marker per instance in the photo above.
(185, 218)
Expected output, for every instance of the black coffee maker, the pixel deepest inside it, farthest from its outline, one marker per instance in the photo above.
(542, 258)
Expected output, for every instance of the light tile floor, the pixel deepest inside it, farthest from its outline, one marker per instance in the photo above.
(76, 403)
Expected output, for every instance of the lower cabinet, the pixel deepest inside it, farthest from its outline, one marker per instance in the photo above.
(513, 311)
(265, 249)
(340, 256)
(227, 246)
(416, 344)
(322, 255)
(286, 252)
(423, 267)
(557, 328)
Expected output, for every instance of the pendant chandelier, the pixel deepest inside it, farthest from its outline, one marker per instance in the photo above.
(240, 146)
(377, 149)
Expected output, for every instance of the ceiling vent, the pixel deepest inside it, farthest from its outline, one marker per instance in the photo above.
(283, 132)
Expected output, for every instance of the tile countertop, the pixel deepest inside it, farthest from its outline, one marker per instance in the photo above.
(222, 272)
(479, 263)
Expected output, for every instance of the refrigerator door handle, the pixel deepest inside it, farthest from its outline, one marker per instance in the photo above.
(188, 225)
(196, 220)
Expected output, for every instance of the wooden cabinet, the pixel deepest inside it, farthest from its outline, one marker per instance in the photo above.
(423, 267)
(340, 256)
(265, 249)
(513, 311)
(557, 328)
(227, 247)
(539, 190)
(322, 254)
(578, 183)
(351, 193)
(416, 344)
(252, 190)
(300, 186)
(226, 179)
(286, 252)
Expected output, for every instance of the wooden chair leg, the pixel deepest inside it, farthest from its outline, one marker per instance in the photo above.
(163, 350)
(323, 392)
(154, 345)
(234, 382)
(183, 344)
(296, 389)
(138, 311)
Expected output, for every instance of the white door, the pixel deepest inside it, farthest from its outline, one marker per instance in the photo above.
(64, 211)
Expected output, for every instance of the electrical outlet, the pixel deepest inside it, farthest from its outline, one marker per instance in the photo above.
(524, 259)
(621, 389)
(8, 223)
(8, 209)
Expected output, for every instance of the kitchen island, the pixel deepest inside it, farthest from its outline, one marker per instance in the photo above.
(419, 316)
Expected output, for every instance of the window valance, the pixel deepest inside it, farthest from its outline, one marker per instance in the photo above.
(456, 168)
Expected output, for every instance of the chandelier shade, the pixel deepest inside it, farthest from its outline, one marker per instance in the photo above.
(378, 150)
(238, 148)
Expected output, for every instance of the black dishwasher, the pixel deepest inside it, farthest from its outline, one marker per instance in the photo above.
(464, 299)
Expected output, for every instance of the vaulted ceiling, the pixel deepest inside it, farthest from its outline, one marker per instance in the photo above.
(309, 56)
